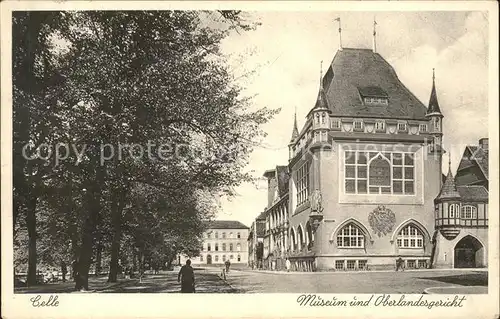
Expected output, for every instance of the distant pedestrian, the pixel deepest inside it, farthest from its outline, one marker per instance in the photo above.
(186, 278)
(228, 264)
(288, 264)
(399, 264)
(64, 271)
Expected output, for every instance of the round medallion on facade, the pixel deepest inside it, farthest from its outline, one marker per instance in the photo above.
(413, 130)
(382, 220)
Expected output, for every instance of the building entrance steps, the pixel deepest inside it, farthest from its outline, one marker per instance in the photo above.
(283, 272)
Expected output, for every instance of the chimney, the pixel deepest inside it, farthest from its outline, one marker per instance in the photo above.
(483, 143)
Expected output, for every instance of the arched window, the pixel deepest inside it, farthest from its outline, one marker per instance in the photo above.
(300, 237)
(231, 247)
(216, 235)
(379, 177)
(216, 257)
(231, 257)
(410, 237)
(231, 235)
(310, 235)
(223, 235)
(293, 240)
(469, 212)
(224, 247)
(223, 257)
(239, 235)
(239, 258)
(350, 236)
(216, 247)
(209, 248)
(454, 209)
(201, 257)
(238, 247)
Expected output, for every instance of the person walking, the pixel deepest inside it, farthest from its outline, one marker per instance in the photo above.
(399, 264)
(64, 271)
(288, 264)
(228, 264)
(186, 278)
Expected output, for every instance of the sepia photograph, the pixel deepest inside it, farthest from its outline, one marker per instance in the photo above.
(228, 151)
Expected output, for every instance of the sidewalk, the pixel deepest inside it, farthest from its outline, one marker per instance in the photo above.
(283, 272)
(96, 284)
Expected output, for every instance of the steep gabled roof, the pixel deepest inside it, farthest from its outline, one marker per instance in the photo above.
(480, 156)
(473, 193)
(355, 69)
(226, 224)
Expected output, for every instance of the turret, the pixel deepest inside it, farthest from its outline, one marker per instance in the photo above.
(293, 139)
(435, 118)
(448, 207)
(320, 116)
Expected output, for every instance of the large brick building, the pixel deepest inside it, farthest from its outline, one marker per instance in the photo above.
(365, 181)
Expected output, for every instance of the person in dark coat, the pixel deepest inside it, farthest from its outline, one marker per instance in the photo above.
(64, 271)
(400, 264)
(186, 278)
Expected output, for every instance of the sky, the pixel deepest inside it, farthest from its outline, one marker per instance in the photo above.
(285, 51)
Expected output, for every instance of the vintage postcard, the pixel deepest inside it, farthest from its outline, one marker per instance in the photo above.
(249, 159)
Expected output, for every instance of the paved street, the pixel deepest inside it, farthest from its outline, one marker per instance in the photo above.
(248, 281)
(354, 282)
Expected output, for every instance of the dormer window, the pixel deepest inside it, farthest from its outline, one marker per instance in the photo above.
(376, 101)
(358, 125)
(402, 127)
(373, 95)
(423, 128)
(380, 126)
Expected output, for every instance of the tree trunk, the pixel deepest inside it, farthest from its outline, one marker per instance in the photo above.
(31, 223)
(89, 228)
(116, 211)
(98, 260)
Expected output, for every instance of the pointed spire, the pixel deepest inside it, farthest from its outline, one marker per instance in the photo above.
(295, 131)
(374, 35)
(449, 189)
(340, 33)
(433, 101)
(321, 100)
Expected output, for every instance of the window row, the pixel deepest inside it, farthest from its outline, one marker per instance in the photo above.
(379, 173)
(223, 246)
(223, 235)
(380, 126)
(303, 183)
(352, 236)
(466, 212)
(216, 258)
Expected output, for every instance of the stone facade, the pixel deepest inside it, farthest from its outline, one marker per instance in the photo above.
(223, 240)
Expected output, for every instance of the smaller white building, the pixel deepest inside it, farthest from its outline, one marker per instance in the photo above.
(223, 240)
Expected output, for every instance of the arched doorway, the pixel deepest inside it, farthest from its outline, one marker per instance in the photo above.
(469, 253)
(209, 259)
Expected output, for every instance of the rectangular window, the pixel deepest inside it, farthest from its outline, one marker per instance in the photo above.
(380, 126)
(376, 101)
(336, 124)
(422, 264)
(410, 263)
(230, 247)
(339, 264)
(201, 257)
(224, 247)
(209, 248)
(379, 173)
(358, 125)
(216, 247)
(351, 264)
(423, 128)
(302, 184)
(239, 235)
(402, 127)
(362, 264)
(223, 257)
